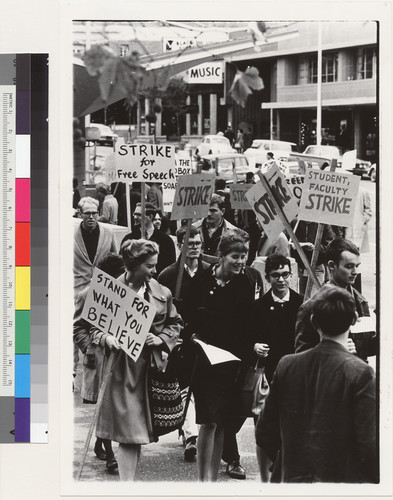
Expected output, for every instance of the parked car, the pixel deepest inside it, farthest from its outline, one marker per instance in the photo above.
(106, 136)
(214, 144)
(372, 172)
(257, 153)
(323, 155)
(224, 165)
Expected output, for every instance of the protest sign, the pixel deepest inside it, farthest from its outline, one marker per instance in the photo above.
(348, 161)
(110, 169)
(114, 308)
(237, 193)
(182, 167)
(145, 162)
(295, 184)
(329, 197)
(192, 197)
(262, 204)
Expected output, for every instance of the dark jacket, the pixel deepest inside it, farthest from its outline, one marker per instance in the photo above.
(307, 337)
(165, 243)
(307, 232)
(273, 323)
(321, 418)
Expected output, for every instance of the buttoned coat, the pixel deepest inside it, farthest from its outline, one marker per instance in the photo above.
(125, 413)
(319, 423)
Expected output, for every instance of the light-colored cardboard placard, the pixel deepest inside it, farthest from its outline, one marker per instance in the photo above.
(329, 197)
(116, 309)
(192, 197)
(238, 196)
(295, 183)
(262, 205)
(182, 167)
(145, 162)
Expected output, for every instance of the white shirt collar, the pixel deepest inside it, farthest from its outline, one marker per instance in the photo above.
(284, 299)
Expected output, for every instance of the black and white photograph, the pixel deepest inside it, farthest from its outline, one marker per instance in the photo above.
(218, 285)
(260, 360)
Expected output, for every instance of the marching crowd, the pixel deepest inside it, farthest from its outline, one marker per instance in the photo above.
(318, 421)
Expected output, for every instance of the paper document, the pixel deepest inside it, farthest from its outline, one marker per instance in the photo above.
(215, 354)
(364, 324)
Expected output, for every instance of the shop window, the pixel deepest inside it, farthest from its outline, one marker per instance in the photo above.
(366, 63)
(124, 50)
(329, 68)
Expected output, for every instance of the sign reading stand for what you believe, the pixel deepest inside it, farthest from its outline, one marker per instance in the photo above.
(24, 249)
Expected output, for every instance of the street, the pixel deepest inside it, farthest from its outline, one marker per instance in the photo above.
(163, 461)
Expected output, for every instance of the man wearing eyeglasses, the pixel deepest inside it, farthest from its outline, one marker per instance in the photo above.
(92, 242)
(193, 266)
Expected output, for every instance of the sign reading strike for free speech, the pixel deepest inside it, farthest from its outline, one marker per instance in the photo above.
(329, 197)
(145, 162)
(263, 206)
(237, 193)
(192, 197)
(114, 308)
(182, 167)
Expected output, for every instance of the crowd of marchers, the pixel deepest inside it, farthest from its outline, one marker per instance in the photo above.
(318, 423)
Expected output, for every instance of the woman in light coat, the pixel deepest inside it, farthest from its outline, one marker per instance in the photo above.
(125, 413)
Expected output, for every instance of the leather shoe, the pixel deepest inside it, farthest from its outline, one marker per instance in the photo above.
(99, 452)
(235, 470)
(190, 450)
(112, 464)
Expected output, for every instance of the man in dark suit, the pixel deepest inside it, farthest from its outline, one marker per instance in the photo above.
(273, 326)
(167, 254)
(319, 423)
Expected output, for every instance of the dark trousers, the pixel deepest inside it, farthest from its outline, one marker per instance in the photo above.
(230, 451)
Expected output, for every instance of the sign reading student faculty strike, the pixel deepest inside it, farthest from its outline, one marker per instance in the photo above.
(329, 197)
(192, 197)
(116, 309)
(145, 162)
(263, 206)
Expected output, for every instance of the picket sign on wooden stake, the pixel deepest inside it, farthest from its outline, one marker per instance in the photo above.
(183, 259)
(97, 408)
(143, 210)
(317, 245)
(289, 229)
(128, 206)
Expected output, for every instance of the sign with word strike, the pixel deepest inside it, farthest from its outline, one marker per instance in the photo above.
(263, 206)
(295, 184)
(145, 162)
(329, 197)
(192, 197)
(237, 193)
(114, 308)
(182, 167)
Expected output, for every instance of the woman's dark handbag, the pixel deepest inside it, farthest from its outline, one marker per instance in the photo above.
(253, 392)
(166, 406)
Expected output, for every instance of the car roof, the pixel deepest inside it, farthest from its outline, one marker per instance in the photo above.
(223, 155)
(268, 141)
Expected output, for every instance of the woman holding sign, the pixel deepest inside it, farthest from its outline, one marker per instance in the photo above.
(125, 414)
(218, 303)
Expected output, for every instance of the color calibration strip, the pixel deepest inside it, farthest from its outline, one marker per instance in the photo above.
(25, 152)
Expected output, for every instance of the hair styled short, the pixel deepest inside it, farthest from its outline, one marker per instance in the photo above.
(136, 252)
(150, 209)
(218, 200)
(333, 310)
(337, 247)
(180, 233)
(87, 200)
(233, 240)
(103, 188)
(112, 264)
(276, 261)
